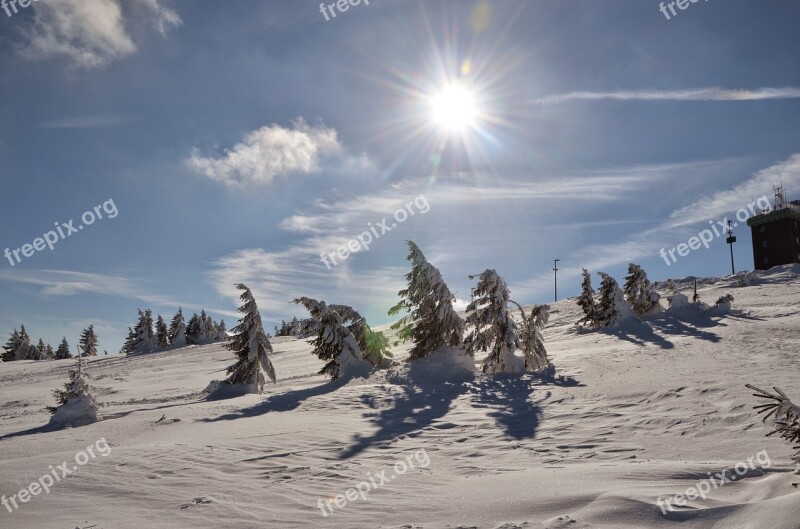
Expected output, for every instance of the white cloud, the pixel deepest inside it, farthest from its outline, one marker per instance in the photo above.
(698, 94)
(272, 152)
(91, 33)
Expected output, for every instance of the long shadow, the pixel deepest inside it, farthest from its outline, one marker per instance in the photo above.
(509, 396)
(32, 431)
(670, 324)
(639, 333)
(281, 402)
(417, 408)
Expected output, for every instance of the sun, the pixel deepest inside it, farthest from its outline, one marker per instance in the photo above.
(455, 108)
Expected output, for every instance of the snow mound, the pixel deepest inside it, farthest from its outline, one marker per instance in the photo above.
(78, 411)
(446, 364)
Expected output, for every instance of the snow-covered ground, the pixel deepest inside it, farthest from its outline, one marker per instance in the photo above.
(658, 407)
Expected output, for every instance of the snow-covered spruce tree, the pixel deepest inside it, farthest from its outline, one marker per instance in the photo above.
(177, 329)
(785, 417)
(373, 345)
(531, 339)
(205, 327)
(49, 352)
(335, 343)
(162, 333)
(39, 352)
(193, 330)
(250, 343)
(221, 331)
(586, 301)
(145, 340)
(76, 404)
(19, 346)
(88, 342)
(493, 328)
(638, 291)
(612, 307)
(432, 322)
(62, 353)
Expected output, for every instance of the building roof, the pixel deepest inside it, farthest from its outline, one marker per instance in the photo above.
(791, 212)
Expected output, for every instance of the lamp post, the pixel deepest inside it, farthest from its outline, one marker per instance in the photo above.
(730, 240)
(555, 276)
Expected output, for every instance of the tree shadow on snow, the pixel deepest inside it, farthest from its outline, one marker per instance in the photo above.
(281, 402)
(639, 333)
(509, 396)
(688, 326)
(419, 406)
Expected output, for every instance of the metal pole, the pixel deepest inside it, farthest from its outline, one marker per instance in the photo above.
(730, 241)
(555, 276)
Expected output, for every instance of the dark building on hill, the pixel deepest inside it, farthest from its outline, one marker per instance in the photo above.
(776, 235)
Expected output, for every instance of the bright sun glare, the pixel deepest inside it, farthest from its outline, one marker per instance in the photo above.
(454, 109)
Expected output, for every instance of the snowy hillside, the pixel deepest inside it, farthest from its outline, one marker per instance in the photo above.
(658, 408)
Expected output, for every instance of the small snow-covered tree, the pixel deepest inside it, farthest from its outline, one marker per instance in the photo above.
(76, 404)
(586, 301)
(205, 327)
(250, 343)
(39, 352)
(11, 347)
(531, 339)
(493, 328)
(638, 291)
(335, 343)
(612, 307)
(162, 333)
(88, 342)
(177, 330)
(62, 353)
(48, 350)
(432, 322)
(785, 417)
(374, 345)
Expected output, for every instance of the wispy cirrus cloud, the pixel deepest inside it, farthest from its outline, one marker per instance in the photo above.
(91, 33)
(274, 152)
(697, 94)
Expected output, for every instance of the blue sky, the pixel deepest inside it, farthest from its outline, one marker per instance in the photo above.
(239, 140)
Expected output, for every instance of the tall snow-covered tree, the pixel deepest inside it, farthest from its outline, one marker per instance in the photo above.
(62, 353)
(785, 417)
(205, 329)
(612, 307)
(145, 337)
(221, 331)
(374, 345)
(586, 301)
(162, 333)
(88, 342)
(335, 343)
(638, 291)
(250, 343)
(193, 330)
(177, 329)
(493, 328)
(76, 404)
(432, 322)
(39, 352)
(19, 347)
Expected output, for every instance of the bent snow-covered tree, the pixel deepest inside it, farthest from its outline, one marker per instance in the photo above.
(335, 344)
(493, 328)
(612, 307)
(250, 343)
(785, 417)
(374, 345)
(531, 339)
(432, 322)
(638, 290)
(586, 301)
(88, 342)
(76, 406)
